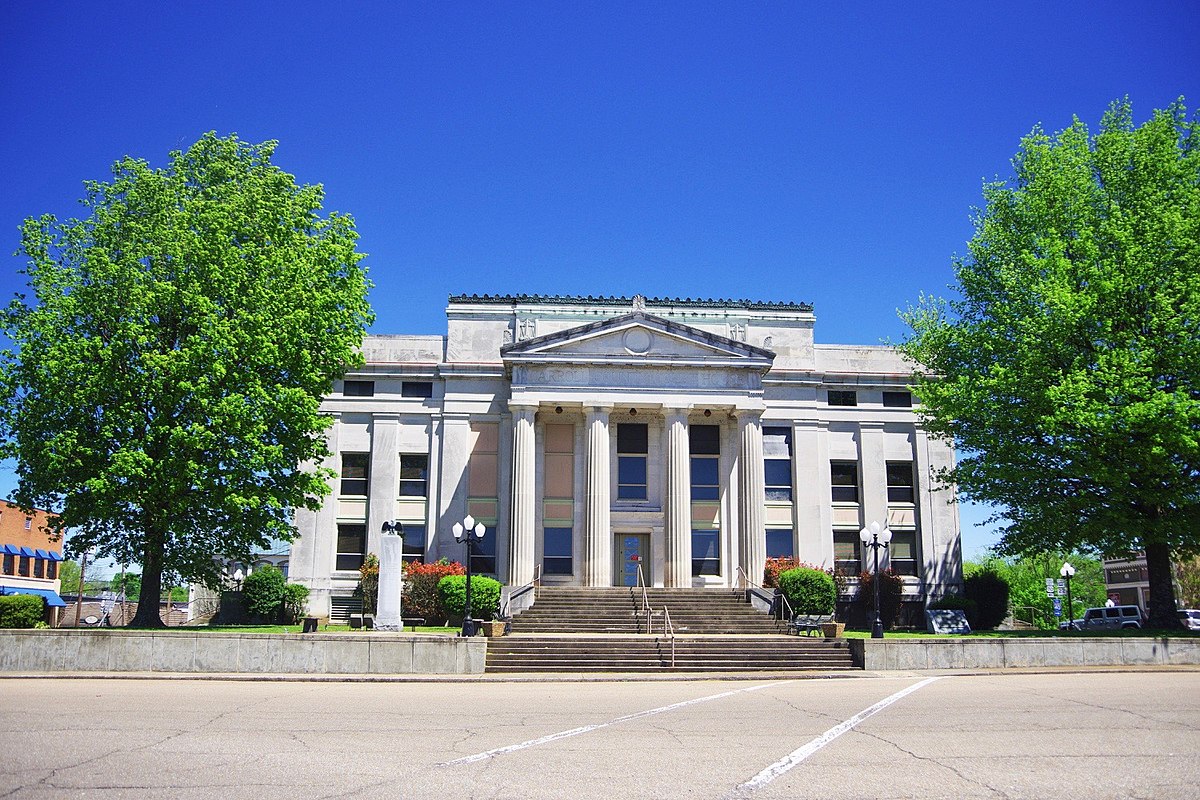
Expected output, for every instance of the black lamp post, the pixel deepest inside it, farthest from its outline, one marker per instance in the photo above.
(1067, 572)
(876, 537)
(472, 532)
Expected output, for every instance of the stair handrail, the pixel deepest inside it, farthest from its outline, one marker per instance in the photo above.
(669, 632)
(641, 580)
(784, 604)
(528, 587)
(742, 579)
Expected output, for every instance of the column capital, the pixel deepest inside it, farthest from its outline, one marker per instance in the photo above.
(748, 415)
(522, 406)
(384, 417)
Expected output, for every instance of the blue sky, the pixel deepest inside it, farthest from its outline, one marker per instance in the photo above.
(822, 153)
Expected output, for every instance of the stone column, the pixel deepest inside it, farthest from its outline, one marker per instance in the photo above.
(597, 530)
(521, 547)
(384, 475)
(872, 459)
(752, 534)
(678, 505)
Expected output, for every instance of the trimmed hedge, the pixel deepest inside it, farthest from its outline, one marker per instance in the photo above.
(21, 610)
(990, 593)
(809, 591)
(263, 591)
(485, 595)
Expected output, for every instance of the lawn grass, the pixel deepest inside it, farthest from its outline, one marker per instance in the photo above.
(1026, 634)
(297, 629)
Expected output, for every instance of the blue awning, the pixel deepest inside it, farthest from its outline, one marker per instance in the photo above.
(10, 549)
(42, 554)
(28, 551)
(55, 555)
(49, 595)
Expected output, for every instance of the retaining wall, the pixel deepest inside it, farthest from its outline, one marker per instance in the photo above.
(1000, 653)
(188, 651)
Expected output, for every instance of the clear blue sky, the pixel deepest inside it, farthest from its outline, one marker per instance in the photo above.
(823, 153)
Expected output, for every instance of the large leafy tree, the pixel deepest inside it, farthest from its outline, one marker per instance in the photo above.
(161, 395)
(1067, 370)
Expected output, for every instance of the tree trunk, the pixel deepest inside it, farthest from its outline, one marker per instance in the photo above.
(151, 595)
(1162, 593)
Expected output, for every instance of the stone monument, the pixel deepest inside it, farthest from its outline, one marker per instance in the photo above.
(391, 583)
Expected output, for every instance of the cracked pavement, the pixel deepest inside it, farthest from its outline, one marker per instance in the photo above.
(1089, 735)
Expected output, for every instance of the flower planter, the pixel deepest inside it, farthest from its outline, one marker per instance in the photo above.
(833, 630)
(493, 627)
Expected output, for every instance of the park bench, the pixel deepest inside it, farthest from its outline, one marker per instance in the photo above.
(808, 623)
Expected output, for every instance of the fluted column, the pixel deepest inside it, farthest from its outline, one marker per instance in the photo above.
(521, 548)
(752, 535)
(678, 503)
(597, 530)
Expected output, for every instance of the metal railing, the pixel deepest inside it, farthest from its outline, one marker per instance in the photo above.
(785, 608)
(669, 632)
(528, 587)
(742, 580)
(641, 582)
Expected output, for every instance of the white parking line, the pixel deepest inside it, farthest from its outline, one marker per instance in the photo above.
(795, 757)
(554, 737)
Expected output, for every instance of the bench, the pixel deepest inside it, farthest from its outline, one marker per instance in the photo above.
(413, 621)
(808, 623)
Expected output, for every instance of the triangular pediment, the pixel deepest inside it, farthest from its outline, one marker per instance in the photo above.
(637, 337)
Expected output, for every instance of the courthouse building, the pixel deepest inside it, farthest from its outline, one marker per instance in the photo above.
(596, 438)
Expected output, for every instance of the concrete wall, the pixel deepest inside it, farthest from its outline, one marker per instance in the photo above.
(184, 651)
(999, 653)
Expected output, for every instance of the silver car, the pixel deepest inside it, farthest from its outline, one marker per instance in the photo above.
(1109, 618)
(1190, 617)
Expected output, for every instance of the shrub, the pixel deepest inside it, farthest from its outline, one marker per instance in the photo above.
(368, 583)
(808, 590)
(295, 601)
(485, 595)
(990, 593)
(956, 602)
(21, 611)
(891, 587)
(420, 597)
(774, 567)
(262, 592)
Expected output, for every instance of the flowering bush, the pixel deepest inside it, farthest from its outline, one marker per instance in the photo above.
(775, 566)
(420, 588)
(891, 587)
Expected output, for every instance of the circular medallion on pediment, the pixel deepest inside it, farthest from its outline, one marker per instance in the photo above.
(637, 341)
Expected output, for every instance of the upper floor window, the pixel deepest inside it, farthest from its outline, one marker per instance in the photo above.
(355, 467)
(903, 552)
(704, 445)
(414, 542)
(777, 463)
(897, 399)
(351, 546)
(483, 558)
(414, 475)
(900, 482)
(843, 397)
(358, 389)
(632, 446)
(844, 477)
(422, 389)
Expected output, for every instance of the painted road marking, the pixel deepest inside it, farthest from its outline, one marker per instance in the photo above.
(795, 757)
(554, 737)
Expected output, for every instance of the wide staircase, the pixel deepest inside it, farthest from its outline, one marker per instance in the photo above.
(608, 630)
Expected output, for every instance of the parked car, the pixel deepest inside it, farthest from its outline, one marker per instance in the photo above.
(1190, 617)
(1109, 618)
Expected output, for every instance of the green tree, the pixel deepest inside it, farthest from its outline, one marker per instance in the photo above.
(163, 387)
(263, 592)
(130, 583)
(1067, 368)
(68, 576)
(1026, 578)
(1187, 579)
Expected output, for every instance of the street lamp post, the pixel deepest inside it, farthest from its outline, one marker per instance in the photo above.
(471, 532)
(876, 537)
(1067, 571)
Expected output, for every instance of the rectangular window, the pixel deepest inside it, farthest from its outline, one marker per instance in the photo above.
(844, 477)
(779, 543)
(414, 542)
(414, 475)
(556, 555)
(840, 397)
(845, 552)
(706, 552)
(777, 464)
(351, 546)
(897, 399)
(355, 475)
(903, 550)
(10, 566)
(483, 560)
(52, 570)
(900, 482)
(704, 445)
(28, 523)
(23, 567)
(632, 447)
(39, 568)
(358, 389)
(421, 389)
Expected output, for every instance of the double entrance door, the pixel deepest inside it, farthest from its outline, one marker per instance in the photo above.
(631, 551)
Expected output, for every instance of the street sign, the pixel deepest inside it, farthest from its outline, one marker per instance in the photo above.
(1049, 587)
(1062, 587)
(1057, 607)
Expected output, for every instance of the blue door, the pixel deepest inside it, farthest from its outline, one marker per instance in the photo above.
(633, 550)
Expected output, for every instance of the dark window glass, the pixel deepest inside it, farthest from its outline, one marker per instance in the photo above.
(844, 475)
(897, 399)
(632, 438)
(632, 447)
(706, 552)
(705, 482)
(483, 561)
(422, 389)
(779, 543)
(704, 440)
(359, 389)
(900, 482)
(414, 541)
(351, 546)
(9, 565)
(903, 552)
(845, 552)
(355, 473)
(39, 568)
(23, 567)
(778, 479)
(51, 569)
(556, 556)
(414, 475)
(839, 397)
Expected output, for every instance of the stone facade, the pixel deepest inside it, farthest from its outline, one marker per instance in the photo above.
(597, 438)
